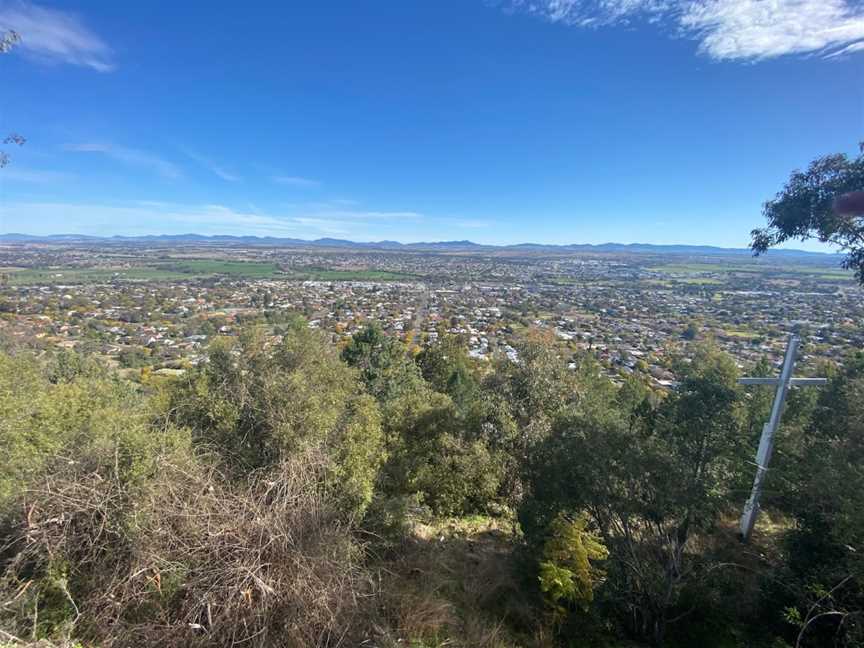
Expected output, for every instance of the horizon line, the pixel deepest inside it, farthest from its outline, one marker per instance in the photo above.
(23, 237)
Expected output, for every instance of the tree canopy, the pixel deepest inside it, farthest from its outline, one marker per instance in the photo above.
(816, 204)
(270, 489)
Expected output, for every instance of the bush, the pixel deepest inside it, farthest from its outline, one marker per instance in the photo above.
(430, 456)
(193, 561)
(568, 574)
(256, 406)
(458, 476)
(74, 419)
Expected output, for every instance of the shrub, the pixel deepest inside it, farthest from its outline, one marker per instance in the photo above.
(567, 570)
(193, 561)
(255, 406)
(431, 456)
(69, 419)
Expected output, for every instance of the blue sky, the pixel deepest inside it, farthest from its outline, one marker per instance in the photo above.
(497, 121)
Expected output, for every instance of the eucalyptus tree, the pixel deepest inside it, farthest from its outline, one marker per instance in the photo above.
(826, 203)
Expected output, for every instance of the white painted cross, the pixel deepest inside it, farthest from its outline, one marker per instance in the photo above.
(766, 443)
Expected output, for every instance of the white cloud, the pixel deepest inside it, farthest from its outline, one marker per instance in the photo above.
(54, 36)
(132, 157)
(156, 217)
(725, 29)
(367, 215)
(144, 217)
(586, 13)
(214, 167)
(325, 225)
(766, 28)
(339, 221)
(296, 181)
(849, 49)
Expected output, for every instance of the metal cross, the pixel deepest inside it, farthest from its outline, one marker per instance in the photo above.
(766, 443)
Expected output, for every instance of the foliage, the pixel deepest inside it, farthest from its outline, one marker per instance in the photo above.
(73, 413)
(285, 492)
(458, 476)
(430, 456)
(383, 363)
(648, 487)
(825, 568)
(256, 406)
(8, 40)
(805, 208)
(539, 385)
(567, 570)
(201, 562)
(447, 368)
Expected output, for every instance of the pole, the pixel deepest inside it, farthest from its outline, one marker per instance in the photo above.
(766, 442)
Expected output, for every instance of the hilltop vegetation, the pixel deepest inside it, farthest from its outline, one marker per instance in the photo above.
(294, 492)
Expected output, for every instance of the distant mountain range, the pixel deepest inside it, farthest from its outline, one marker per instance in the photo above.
(439, 246)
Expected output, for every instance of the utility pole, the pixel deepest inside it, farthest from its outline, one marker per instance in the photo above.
(766, 443)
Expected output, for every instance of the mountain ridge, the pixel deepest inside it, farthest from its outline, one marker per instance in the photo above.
(455, 246)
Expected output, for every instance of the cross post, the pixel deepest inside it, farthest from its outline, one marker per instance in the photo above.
(766, 442)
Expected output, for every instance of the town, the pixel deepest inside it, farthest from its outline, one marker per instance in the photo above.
(154, 309)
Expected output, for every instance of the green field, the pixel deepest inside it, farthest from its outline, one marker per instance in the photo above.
(207, 267)
(695, 268)
(163, 271)
(744, 335)
(186, 269)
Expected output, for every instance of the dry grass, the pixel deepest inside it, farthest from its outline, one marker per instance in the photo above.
(456, 584)
(198, 562)
(193, 559)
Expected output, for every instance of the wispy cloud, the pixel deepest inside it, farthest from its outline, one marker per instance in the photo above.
(54, 36)
(295, 181)
(724, 29)
(143, 217)
(132, 157)
(758, 29)
(214, 167)
(325, 225)
(849, 49)
(363, 214)
(157, 217)
(348, 222)
(310, 221)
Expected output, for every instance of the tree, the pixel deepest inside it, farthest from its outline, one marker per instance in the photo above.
(432, 457)
(71, 415)
(255, 406)
(822, 202)
(383, 363)
(446, 366)
(691, 332)
(568, 573)
(7, 42)
(824, 569)
(647, 486)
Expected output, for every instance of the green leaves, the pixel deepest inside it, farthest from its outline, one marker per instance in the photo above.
(383, 363)
(255, 406)
(76, 418)
(805, 208)
(568, 573)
